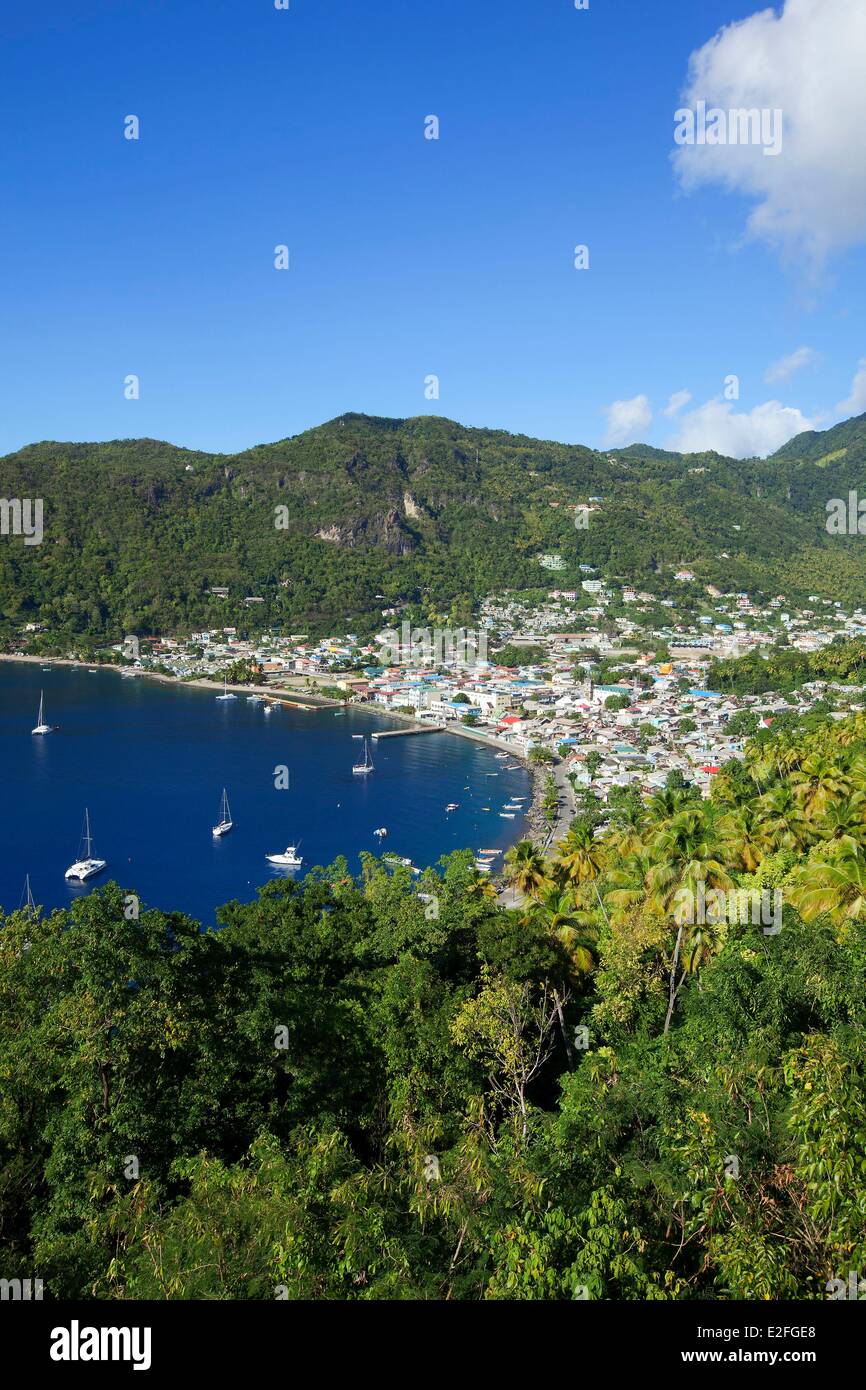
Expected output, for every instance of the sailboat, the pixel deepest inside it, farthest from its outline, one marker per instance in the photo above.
(224, 824)
(41, 726)
(87, 866)
(289, 859)
(27, 903)
(366, 766)
(227, 694)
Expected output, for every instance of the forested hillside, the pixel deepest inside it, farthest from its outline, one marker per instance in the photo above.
(342, 1094)
(422, 510)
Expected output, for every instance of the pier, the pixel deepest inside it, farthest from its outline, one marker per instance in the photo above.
(419, 729)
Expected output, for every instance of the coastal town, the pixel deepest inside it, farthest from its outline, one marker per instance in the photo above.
(586, 684)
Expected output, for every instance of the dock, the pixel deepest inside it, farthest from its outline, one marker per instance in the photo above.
(419, 729)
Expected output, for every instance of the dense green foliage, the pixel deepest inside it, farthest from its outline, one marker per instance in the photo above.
(333, 526)
(380, 1088)
(786, 669)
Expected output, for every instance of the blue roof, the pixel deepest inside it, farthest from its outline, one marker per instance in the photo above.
(707, 694)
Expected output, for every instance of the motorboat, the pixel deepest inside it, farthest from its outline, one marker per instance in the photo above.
(289, 859)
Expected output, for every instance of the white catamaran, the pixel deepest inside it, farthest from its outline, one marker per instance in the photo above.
(225, 822)
(41, 726)
(86, 866)
(227, 694)
(361, 769)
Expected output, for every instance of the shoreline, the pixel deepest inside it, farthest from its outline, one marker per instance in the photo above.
(304, 701)
(535, 827)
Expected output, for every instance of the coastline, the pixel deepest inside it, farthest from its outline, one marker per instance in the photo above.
(305, 701)
(534, 828)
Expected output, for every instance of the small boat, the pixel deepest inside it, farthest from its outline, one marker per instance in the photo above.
(92, 670)
(452, 806)
(255, 699)
(269, 708)
(361, 769)
(501, 755)
(399, 859)
(360, 735)
(46, 668)
(507, 815)
(227, 694)
(289, 859)
(381, 832)
(491, 774)
(41, 726)
(224, 824)
(87, 865)
(27, 903)
(490, 851)
(482, 868)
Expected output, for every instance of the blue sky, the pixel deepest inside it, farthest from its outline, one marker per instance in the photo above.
(411, 257)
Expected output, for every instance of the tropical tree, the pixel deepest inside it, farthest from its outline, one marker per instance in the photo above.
(525, 869)
(817, 782)
(692, 850)
(580, 857)
(832, 881)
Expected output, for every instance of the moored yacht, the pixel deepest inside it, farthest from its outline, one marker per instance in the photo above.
(360, 769)
(87, 865)
(224, 824)
(41, 726)
(227, 694)
(289, 859)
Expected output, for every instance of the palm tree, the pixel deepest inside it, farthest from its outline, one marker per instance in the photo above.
(749, 830)
(580, 857)
(817, 781)
(845, 819)
(692, 849)
(835, 884)
(556, 909)
(666, 802)
(782, 818)
(628, 886)
(525, 869)
(480, 887)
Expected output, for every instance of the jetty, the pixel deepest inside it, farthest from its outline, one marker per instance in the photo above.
(418, 729)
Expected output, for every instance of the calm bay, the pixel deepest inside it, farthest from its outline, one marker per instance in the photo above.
(150, 761)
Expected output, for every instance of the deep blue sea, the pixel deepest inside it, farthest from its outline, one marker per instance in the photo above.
(150, 761)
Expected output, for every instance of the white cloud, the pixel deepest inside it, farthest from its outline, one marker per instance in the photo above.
(627, 420)
(856, 402)
(808, 62)
(676, 402)
(787, 366)
(747, 434)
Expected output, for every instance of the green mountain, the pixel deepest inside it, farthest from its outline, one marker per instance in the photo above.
(333, 525)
